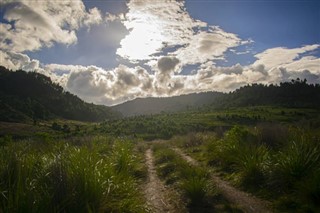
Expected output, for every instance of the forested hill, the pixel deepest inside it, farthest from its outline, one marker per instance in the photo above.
(27, 96)
(297, 93)
(146, 106)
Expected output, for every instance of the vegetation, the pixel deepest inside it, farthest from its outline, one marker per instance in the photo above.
(166, 125)
(192, 181)
(95, 174)
(263, 139)
(31, 96)
(283, 171)
(149, 106)
(295, 94)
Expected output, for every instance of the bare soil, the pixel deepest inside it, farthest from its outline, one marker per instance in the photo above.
(245, 201)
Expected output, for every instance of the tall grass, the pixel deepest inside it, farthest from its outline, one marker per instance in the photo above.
(284, 168)
(192, 181)
(63, 177)
(295, 172)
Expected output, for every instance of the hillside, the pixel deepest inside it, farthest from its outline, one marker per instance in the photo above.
(147, 106)
(27, 96)
(297, 93)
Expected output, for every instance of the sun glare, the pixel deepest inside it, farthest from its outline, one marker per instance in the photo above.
(144, 39)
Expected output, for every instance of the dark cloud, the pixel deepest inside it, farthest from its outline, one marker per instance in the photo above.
(167, 64)
(305, 74)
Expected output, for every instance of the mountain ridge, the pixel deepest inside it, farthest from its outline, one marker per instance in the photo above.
(156, 105)
(27, 96)
(295, 93)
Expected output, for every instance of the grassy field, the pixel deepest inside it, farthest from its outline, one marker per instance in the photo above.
(276, 163)
(193, 183)
(66, 166)
(167, 125)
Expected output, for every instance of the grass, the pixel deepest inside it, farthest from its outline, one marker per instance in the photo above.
(78, 172)
(284, 168)
(94, 176)
(167, 125)
(193, 182)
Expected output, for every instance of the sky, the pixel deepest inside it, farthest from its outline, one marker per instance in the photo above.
(108, 52)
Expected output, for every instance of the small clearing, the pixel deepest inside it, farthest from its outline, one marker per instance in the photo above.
(245, 201)
(159, 198)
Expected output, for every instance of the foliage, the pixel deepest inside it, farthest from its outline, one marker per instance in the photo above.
(69, 177)
(33, 96)
(297, 93)
(193, 181)
(288, 171)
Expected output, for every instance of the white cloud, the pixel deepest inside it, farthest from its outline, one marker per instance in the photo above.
(159, 28)
(161, 34)
(41, 23)
(154, 25)
(93, 17)
(205, 46)
(281, 55)
(114, 17)
(15, 61)
(310, 63)
(96, 85)
(100, 86)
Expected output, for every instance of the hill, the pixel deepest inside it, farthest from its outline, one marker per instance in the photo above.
(297, 93)
(147, 106)
(27, 96)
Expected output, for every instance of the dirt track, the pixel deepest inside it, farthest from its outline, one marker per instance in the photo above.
(158, 196)
(243, 200)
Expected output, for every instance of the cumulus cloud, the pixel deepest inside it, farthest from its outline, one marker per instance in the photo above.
(34, 24)
(108, 87)
(167, 64)
(192, 41)
(114, 17)
(310, 63)
(92, 17)
(172, 41)
(15, 61)
(205, 46)
(281, 56)
(101, 86)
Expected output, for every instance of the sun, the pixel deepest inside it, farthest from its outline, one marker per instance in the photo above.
(145, 38)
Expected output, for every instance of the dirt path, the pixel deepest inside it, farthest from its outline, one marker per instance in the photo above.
(158, 196)
(243, 200)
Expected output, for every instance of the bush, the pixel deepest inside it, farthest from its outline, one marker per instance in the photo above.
(293, 164)
(252, 164)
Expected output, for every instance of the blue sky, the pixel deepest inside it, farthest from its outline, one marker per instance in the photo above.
(110, 51)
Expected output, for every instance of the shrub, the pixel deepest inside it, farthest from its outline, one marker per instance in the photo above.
(293, 164)
(252, 164)
(195, 184)
(272, 135)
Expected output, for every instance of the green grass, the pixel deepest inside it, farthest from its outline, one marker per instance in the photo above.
(194, 183)
(60, 176)
(284, 168)
(167, 125)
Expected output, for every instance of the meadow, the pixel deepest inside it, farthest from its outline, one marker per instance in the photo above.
(272, 153)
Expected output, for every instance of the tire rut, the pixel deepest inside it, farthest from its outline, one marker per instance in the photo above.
(245, 201)
(156, 193)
